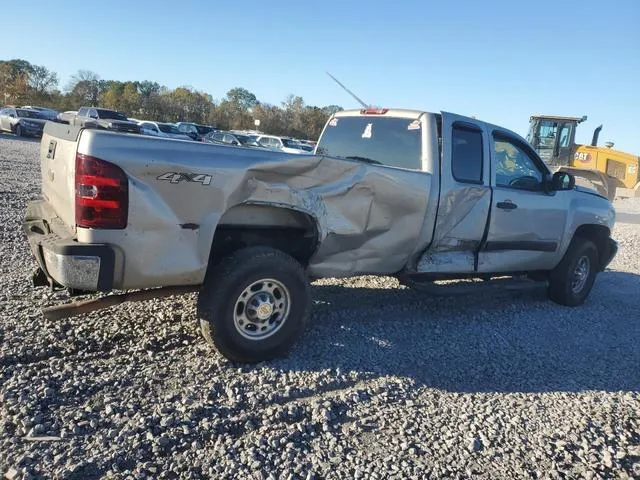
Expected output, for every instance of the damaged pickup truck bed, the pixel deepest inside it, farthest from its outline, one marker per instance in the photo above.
(423, 196)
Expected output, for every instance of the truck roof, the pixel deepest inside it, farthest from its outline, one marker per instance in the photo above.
(558, 117)
(402, 112)
(416, 114)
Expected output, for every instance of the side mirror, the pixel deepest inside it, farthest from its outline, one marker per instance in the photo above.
(562, 181)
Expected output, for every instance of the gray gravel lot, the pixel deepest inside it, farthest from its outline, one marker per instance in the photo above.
(385, 383)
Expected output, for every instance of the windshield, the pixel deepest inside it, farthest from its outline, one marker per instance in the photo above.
(29, 114)
(168, 128)
(111, 115)
(387, 140)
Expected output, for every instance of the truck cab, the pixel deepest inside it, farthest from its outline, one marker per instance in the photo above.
(494, 206)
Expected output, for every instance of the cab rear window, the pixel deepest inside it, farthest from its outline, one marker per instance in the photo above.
(391, 141)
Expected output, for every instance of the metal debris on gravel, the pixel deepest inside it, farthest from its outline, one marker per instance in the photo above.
(386, 382)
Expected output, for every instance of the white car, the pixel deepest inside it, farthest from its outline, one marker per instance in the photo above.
(159, 129)
(280, 143)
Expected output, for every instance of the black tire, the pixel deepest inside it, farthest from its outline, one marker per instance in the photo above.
(566, 285)
(19, 131)
(220, 300)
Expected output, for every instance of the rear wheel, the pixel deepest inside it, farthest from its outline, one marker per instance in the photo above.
(254, 304)
(571, 281)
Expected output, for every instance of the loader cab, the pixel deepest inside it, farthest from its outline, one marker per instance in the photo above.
(553, 138)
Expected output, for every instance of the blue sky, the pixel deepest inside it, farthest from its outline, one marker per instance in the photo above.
(498, 60)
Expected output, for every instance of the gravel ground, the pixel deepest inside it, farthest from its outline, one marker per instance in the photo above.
(385, 383)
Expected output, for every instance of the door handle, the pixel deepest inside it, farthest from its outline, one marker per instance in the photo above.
(508, 205)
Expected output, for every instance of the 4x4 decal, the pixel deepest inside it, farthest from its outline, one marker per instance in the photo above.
(177, 177)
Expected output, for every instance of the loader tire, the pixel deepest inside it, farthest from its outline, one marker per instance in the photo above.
(254, 304)
(571, 281)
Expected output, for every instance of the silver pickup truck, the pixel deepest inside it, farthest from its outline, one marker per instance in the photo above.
(422, 196)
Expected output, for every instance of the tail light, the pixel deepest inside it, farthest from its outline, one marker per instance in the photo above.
(102, 194)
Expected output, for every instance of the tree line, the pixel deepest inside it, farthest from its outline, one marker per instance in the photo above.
(22, 83)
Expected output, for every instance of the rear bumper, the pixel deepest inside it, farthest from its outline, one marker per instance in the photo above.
(64, 261)
(610, 252)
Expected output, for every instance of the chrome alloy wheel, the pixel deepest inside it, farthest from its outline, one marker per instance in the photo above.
(580, 274)
(261, 309)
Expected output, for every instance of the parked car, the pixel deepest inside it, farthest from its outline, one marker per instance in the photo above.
(22, 121)
(419, 195)
(194, 130)
(284, 144)
(48, 113)
(105, 119)
(227, 138)
(67, 116)
(160, 129)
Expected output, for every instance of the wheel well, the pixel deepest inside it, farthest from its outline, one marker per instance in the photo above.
(295, 233)
(598, 234)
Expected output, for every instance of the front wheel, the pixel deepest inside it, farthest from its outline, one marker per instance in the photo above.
(571, 281)
(19, 131)
(253, 305)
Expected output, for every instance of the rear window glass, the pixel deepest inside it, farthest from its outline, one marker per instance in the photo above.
(203, 129)
(110, 115)
(388, 141)
(168, 128)
(24, 113)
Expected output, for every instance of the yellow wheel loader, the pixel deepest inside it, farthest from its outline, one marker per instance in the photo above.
(611, 172)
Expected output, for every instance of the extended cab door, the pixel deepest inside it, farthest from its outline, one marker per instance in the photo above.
(526, 224)
(465, 198)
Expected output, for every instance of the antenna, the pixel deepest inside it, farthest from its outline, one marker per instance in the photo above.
(349, 91)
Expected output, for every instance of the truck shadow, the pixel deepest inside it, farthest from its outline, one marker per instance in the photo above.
(505, 341)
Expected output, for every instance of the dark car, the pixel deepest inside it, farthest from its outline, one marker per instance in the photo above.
(196, 131)
(48, 113)
(105, 119)
(22, 121)
(225, 138)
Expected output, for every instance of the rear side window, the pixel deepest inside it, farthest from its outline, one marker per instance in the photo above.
(466, 154)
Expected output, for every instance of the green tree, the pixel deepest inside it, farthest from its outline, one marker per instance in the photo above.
(41, 80)
(242, 98)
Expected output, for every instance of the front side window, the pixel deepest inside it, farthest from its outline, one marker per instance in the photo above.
(466, 154)
(515, 168)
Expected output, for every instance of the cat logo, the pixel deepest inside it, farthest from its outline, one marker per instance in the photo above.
(583, 157)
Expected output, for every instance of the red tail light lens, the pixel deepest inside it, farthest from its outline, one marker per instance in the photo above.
(374, 111)
(102, 194)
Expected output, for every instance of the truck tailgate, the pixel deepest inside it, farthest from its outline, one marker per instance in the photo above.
(57, 163)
